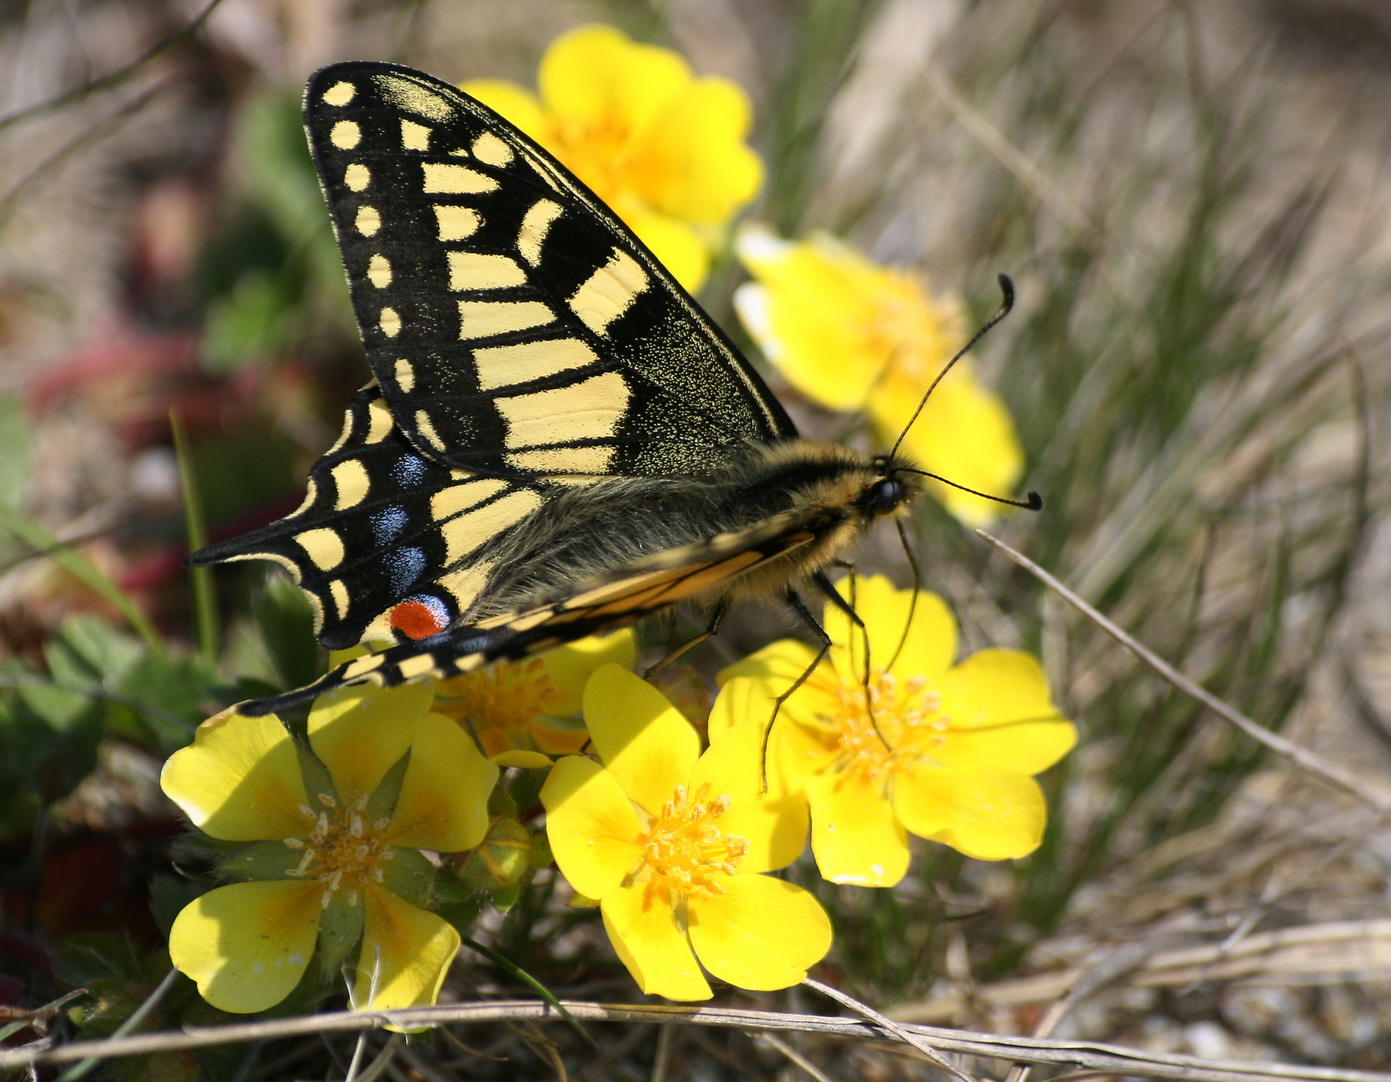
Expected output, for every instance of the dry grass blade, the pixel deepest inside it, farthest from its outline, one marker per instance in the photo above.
(1087, 1055)
(1309, 761)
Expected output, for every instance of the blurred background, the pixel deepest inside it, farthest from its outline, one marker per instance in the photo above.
(1192, 200)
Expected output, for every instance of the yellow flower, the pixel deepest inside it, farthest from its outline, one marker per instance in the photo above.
(671, 843)
(519, 711)
(851, 335)
(943, 751)
(334, 840)
(661, 147)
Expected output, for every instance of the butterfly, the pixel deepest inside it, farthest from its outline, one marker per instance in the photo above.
(557, 440)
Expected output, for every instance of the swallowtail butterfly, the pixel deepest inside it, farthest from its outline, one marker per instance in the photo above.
(557, 441)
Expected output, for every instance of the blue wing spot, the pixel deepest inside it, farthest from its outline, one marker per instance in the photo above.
(388, 523)
(404, 567)
(408, 471)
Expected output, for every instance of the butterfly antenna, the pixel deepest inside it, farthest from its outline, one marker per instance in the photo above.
(1007, 288)
(1033, 502)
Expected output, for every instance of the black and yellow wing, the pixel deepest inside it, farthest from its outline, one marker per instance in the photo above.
(523, 342)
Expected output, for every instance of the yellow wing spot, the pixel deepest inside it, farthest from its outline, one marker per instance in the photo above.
(351, 480)
(609, 291)
(390, 322)
(589, 409)
(456, 223)
(483, 319)
(502, 366)
(416, 666)
(379, 422)
(405, 374)
(455, 499)
(414, 136)
(339, 93)
(484, 270)
(415, 98)
(323, 546)
(466, 532)
(368, 221)
(345, 135)
(492, 150)
(426, 428)
(357, 176)
(379, 271)
(338, 590)
(535, 223)
(361, 666)
(446, 178)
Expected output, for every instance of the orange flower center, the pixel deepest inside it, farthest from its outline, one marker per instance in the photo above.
(684, 851)
(343, 851)
(499, 703)
(888, 725)
(597, 153)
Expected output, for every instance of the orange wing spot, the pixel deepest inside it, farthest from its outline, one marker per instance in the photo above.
(417, 620)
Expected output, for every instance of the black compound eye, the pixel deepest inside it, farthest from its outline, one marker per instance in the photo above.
(885, 497)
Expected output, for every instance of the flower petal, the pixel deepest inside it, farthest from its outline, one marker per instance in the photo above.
(644, 932)
(247, 944)
(645, 743)
(855, 835)
(762, 933)
(571, 666)
(928, 648)
(677, 246)
(444, 796)
(816, 314)
(240, 780)
(986, 814)
(595, 77)
(360, 732)
(693, 163)
(773, 822)
(591, 825)
(406, 953)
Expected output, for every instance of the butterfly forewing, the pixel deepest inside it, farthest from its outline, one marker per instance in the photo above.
(515, 326)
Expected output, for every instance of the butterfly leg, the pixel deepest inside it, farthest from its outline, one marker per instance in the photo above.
(710, 631)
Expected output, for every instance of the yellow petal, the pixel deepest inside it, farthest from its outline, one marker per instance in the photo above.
(964, 433)
(571, 666)
(645, 743)
(405, 956)
(444, 796)
(240, 780)
(360, 732)
(929, 647)
(591, 825)
(996, 685)
(644, 932)
(1021, 747)
(595, 77)
(526, 760)
(512, 102)
(247, 945)
(762, 933)
(772, 821)
(986, 814)
(816, 317)
(855, 835)
(693, 163)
